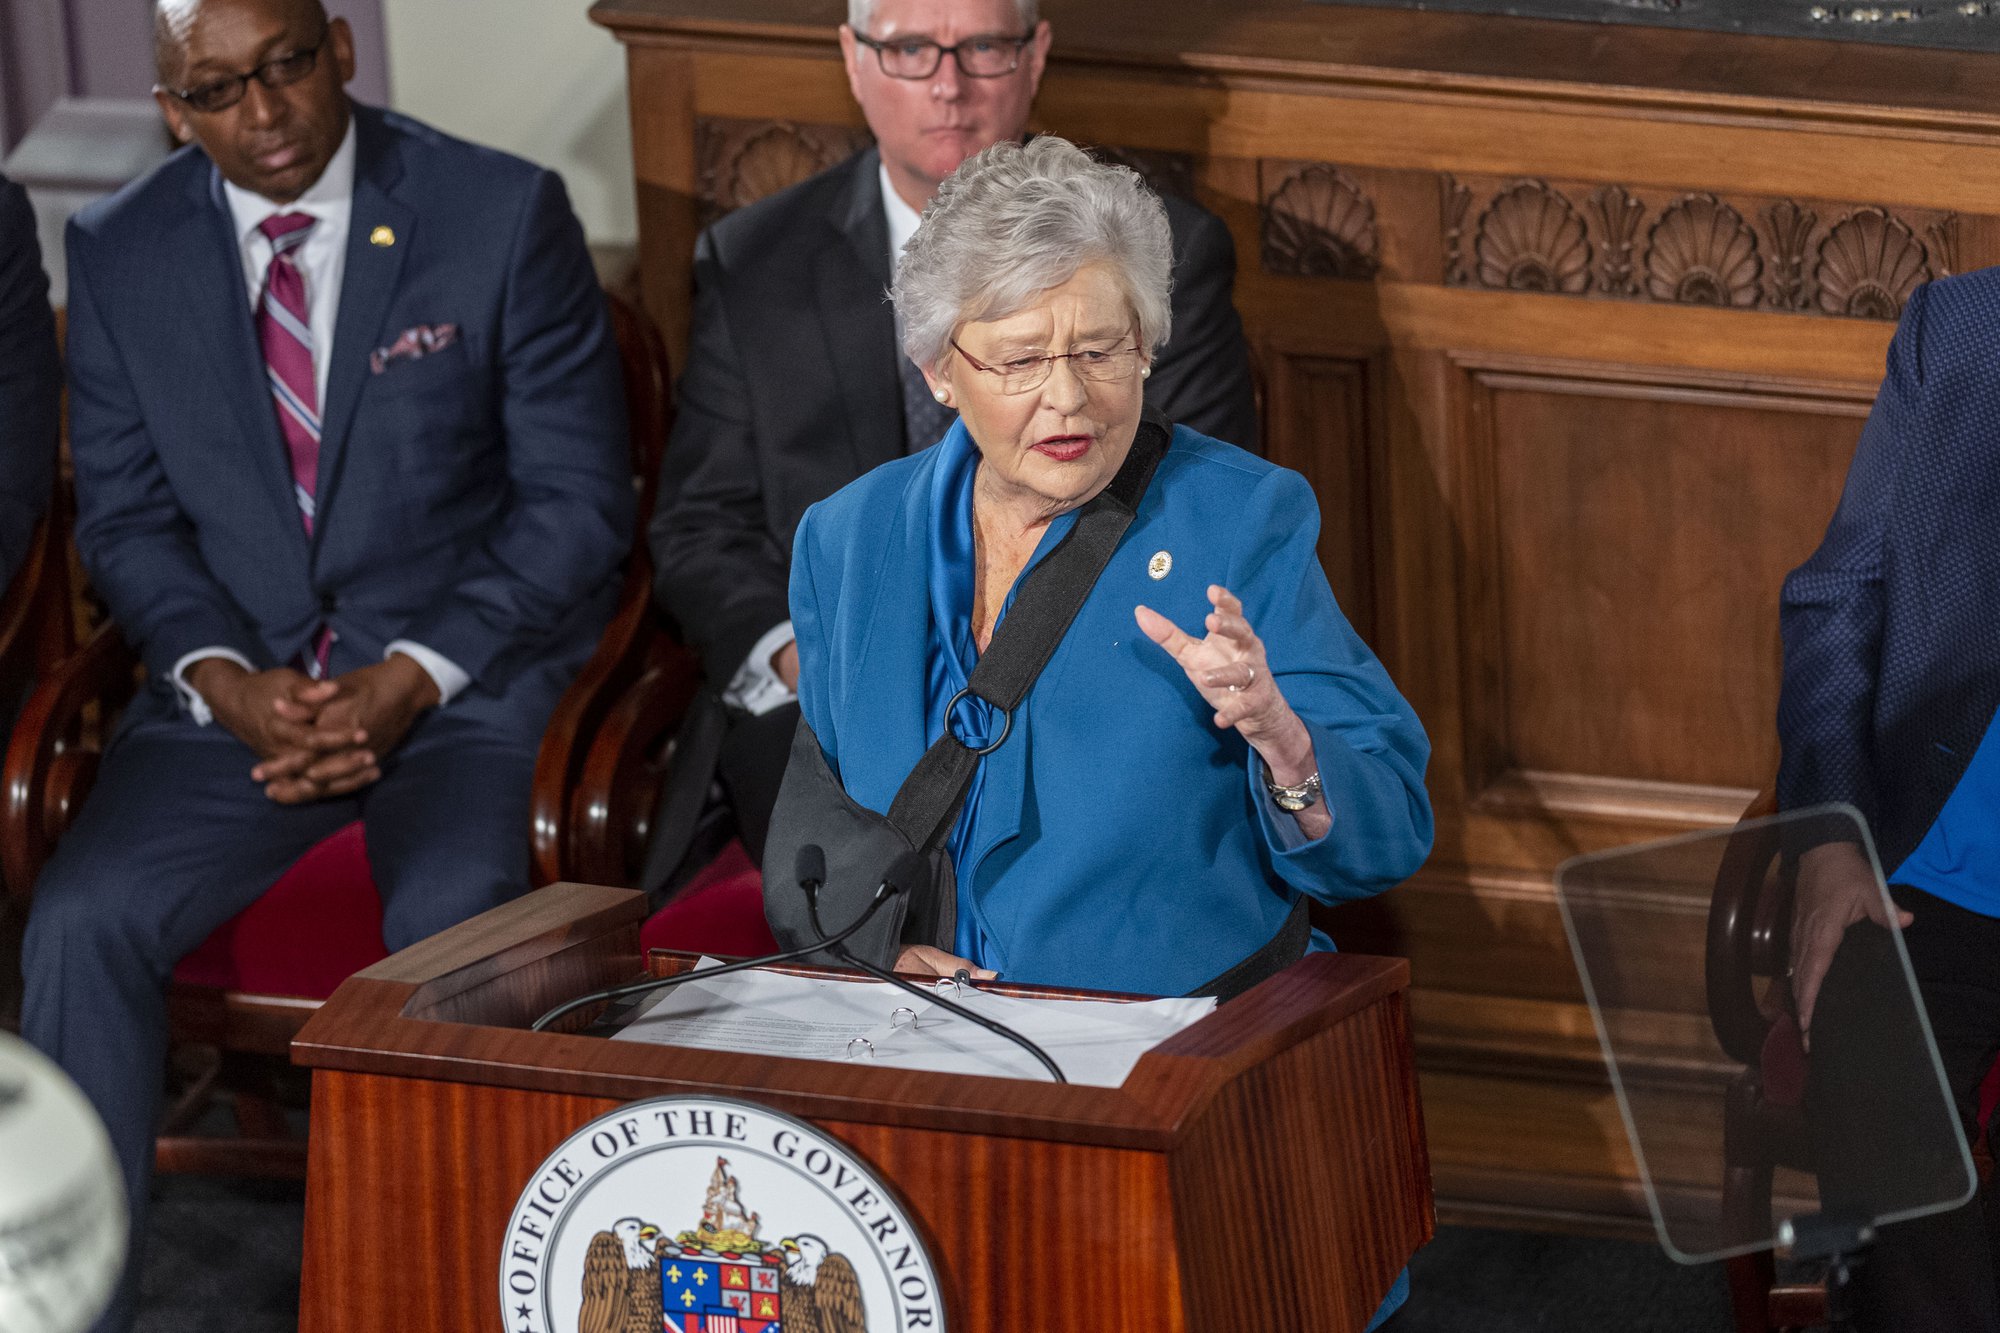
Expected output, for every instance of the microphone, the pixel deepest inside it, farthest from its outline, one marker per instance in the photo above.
(908, 868)
(810, 867)
(883, 893)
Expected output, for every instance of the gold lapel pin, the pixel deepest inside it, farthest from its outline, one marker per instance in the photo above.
(382, 236)
(1160, 564)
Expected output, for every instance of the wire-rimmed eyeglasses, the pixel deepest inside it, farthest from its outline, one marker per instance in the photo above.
(991, 56)
(1024, 374)
(277, 72)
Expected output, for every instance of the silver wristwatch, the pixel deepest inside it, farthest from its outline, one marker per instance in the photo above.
(1294, 799)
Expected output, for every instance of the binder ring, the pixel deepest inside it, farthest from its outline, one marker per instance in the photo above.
(903, 1016)
(867, 1046)
(1006, 723)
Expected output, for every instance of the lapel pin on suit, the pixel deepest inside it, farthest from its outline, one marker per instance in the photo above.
(382, 236)
(1159, 565)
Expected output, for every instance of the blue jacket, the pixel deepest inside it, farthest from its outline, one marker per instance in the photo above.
(1892, 628)
(476, 500)
(1130, 846)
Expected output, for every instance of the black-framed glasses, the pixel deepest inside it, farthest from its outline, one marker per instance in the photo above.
(277, 72)
(1024, 374)
(991, 56)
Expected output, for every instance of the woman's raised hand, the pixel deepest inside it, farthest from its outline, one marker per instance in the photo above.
(1227, 666)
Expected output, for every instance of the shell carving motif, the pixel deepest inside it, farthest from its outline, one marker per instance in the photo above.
(1531, 240)
(1868, 266)
(1319, 224)
(771, 160)
(1701, 252)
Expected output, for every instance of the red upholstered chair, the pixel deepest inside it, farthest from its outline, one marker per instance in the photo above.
(246, 991)
(1750, 1008)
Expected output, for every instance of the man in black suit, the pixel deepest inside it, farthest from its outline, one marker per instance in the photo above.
(30, 381)
(796, 383)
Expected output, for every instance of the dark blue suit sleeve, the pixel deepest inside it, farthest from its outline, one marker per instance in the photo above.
(1830, 612)
(570, 520)
(1369, 745)
(30, 381)
(136, 543)
(1202, 378)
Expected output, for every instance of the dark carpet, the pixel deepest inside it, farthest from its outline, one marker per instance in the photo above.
(224, 1258)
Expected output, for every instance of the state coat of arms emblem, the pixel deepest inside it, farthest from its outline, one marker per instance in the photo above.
(585, 1252)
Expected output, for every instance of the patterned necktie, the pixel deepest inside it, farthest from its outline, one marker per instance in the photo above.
(285, 331)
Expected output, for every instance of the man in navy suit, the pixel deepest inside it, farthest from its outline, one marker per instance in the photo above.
(30, 381)
(350, 467)
(1891, 684)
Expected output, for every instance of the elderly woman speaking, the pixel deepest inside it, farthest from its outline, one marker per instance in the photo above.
(1209, 743)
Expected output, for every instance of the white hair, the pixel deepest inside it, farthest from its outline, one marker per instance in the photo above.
(1018, 219)
(861, 13)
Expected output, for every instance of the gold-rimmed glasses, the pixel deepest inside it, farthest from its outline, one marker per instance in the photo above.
(1024, 374)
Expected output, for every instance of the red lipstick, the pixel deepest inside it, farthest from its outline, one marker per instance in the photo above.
(1064, 448)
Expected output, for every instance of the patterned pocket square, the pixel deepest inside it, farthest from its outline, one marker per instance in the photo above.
(413, 344)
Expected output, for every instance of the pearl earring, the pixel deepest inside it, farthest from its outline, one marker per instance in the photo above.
(942, 396)
(1145, 372)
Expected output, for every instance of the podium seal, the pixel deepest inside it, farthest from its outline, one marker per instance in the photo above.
(711, 1215)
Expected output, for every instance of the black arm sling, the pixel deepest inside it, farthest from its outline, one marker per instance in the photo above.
(860, 845)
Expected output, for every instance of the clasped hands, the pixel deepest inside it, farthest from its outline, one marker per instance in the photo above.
(316, 738)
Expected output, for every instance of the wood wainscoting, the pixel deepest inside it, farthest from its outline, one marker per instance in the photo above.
(1574, 329)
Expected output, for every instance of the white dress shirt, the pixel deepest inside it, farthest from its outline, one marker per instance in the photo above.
(322, 261)
(756, 687)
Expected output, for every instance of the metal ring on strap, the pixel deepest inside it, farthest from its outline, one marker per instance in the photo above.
(1006, 726)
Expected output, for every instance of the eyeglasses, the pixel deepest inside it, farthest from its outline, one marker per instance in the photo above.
(1024, 374)
(989, 57)
(277, 72)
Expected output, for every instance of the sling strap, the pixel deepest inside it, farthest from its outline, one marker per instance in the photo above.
(1051, 595)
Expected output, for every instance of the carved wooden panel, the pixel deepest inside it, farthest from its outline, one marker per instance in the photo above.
(1167, 173)
(1318, 222)
(742, 161)
(1317, 421)
(1626, 535)
(1694, 248)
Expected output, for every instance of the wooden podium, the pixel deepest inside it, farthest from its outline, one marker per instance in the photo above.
(1263, 1169)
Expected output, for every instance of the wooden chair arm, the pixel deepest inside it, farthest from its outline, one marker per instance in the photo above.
(628, 648)
(1736, 915)
(36, 630)
(612, 806)
(52, 758)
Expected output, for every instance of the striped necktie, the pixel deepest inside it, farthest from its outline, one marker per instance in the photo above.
(285, 331)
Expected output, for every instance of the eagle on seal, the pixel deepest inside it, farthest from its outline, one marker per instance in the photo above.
(621, 1286)
(818, 1291)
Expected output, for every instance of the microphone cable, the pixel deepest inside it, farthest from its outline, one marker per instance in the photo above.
(885, 891)
(810, 870)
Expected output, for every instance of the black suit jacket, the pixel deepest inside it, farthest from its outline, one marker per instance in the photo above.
(791, 390)
(30, 381)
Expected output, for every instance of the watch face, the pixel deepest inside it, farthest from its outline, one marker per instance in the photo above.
(1291, 805)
